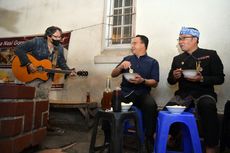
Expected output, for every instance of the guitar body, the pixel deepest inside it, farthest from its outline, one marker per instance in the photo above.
(22, 74)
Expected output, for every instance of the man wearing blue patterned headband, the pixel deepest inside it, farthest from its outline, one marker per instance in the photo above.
(198, 90)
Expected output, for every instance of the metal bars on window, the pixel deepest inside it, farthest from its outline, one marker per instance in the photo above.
(120, 24)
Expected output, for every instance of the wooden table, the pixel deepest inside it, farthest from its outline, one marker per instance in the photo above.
(88, 110)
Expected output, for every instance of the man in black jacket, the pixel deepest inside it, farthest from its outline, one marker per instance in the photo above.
(198, 91)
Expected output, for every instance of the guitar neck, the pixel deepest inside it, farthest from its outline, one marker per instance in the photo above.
(79, 73)
(57, 71)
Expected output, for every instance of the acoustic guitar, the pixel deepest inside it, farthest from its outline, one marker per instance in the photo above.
(44, 67)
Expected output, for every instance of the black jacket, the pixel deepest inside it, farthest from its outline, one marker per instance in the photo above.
(211, 69)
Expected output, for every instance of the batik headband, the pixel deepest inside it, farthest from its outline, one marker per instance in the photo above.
(190, 31)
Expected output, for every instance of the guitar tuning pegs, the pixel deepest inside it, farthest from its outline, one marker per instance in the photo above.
(82, 73)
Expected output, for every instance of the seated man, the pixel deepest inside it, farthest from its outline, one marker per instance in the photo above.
(137, 90)
(198, 90)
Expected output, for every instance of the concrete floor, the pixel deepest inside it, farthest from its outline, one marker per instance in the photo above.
(76, 132)
(76, 137)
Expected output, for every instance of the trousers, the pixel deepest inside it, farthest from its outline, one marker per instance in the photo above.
(206, 111)
(147, 105)
(42, 88)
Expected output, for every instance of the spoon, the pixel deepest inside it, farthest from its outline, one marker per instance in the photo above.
(130, 69)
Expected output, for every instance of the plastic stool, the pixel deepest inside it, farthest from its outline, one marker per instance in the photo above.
(191, 140)
(128, 125)
(117, 120)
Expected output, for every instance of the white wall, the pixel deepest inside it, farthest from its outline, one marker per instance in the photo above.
(26, 17)
(159, 20)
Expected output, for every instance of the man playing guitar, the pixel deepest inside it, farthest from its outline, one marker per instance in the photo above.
(42, 49)
(47, 47)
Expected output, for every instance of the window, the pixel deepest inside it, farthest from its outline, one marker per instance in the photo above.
(120, 16)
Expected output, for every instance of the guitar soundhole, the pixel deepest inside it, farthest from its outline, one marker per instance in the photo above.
(40, 69)
(82, 73)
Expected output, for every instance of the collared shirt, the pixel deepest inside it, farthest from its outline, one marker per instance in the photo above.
(211, 69)
(147, 67)
(38, 47)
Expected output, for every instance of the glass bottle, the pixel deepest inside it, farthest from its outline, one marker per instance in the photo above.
(88, 97)
(107, 95)
(116, 100)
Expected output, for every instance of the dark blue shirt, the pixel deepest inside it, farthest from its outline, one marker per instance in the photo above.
(38, 47)
(147, 67)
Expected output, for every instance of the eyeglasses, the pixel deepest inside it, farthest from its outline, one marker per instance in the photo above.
(183, 38)
(57, 37)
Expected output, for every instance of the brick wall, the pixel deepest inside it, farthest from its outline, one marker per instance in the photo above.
(22, 123)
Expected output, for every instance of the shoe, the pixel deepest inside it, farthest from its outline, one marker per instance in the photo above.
(55, 131)
(174, 142)
(171, 142)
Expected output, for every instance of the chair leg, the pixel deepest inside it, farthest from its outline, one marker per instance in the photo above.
(187, 142)
(194, 136)
(140, 122)
(93, 139)
(161, 137)
(139, 135)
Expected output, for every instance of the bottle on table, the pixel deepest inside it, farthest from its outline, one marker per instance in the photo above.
(107, 95)
(116, 100)
(88, 97)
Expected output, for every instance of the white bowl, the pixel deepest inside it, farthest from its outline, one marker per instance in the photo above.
(176, 109)
(129, 76)
(125, 106)
(189, 73)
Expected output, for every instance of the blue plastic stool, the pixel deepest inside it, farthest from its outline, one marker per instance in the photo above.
(128, 125)
(191, 140)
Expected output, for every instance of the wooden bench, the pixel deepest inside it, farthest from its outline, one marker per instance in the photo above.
(88, 110)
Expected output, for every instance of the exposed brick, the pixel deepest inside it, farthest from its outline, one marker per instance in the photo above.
(41, 106)
(22, 142)
(12, 91)
(11, 139)
(6, 145)
(19, 143)
(26, 109)
(8, 109)
(38, 136)
(45, 119)
(11, 109)
(10, 127)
